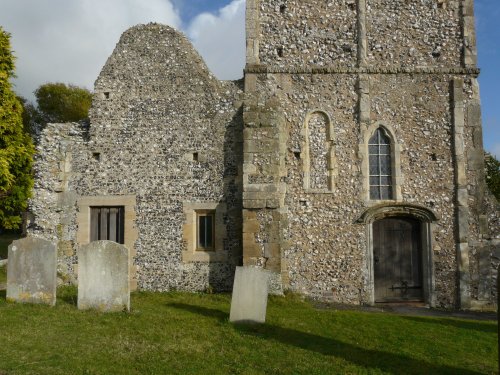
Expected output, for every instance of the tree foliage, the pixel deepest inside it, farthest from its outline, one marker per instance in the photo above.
(493, 175)
(33, 120)
(16, 148)
(58, 102)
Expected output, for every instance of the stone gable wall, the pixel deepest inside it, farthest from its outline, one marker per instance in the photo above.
(155, 106)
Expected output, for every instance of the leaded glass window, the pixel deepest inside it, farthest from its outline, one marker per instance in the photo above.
(380, 166)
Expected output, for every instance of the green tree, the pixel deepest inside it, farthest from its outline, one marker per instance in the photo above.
(58, 102)
(16, 148)
(493, 174)
(33, 120)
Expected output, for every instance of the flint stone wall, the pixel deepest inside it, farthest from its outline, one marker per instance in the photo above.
(31, 271)
(103, 277)
(295, 33)
(164, 130)
(385, 62)
(155, 106)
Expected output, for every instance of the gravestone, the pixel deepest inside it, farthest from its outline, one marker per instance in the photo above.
(103, 277)
(250, 291)
(32, 271)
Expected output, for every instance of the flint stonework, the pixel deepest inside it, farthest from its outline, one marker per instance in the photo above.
(281, 158)
(31, 271)
(250, 292)
(103, 277)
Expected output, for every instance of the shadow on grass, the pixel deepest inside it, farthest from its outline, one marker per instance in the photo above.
(368, 358)
(470, 325)
(200, 310)
(3, 294)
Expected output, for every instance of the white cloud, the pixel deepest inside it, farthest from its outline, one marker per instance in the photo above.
(220, 39)
(69, 41)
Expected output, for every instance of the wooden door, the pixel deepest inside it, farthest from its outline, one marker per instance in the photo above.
(397, 257)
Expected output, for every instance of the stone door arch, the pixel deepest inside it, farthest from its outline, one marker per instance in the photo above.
(402, 233)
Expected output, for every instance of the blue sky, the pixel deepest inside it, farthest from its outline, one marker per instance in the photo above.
(70, 40)
(488, 38)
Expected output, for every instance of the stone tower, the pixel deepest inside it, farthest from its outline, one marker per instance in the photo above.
(323, 80)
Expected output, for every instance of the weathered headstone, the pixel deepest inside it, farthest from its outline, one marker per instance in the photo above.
(250, 291)
(32, 271)
(103, 277)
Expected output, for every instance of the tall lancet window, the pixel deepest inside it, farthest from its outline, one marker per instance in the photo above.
(380, 166)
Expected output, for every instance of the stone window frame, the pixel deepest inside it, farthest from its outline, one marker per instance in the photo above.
(128, 202)
(191, 253)
(306, 158)
(397, 177)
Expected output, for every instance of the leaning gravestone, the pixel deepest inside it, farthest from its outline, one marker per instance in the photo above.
(32, 271)
(103, 277)
(249, 300)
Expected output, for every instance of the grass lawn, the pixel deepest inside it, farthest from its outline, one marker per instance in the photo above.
(180, 333)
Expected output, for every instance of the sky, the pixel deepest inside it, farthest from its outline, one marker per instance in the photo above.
(69, 41)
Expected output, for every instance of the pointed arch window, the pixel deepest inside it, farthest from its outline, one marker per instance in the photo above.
(381, 186)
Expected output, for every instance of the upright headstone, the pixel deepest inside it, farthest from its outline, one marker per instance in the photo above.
(32, 271)
(250, 291)
(103, 277)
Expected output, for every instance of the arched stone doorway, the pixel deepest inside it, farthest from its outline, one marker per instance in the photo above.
(399, 265)
(397, 260)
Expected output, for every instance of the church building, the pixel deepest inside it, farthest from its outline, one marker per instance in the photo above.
(348, 161)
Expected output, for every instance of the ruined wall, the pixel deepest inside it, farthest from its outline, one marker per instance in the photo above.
(53, 204)
(165, 130)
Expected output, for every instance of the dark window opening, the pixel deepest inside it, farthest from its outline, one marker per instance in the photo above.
(282, 8)
(106, 95)
(279, 50)
(436, 53)
(196, 156)
(434, 157)
(380, 166)
(96, 156)
(205, 231)
(107, 223)
(297, 154)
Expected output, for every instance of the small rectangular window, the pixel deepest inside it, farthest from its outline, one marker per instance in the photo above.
(107, 223)
(205, 230)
